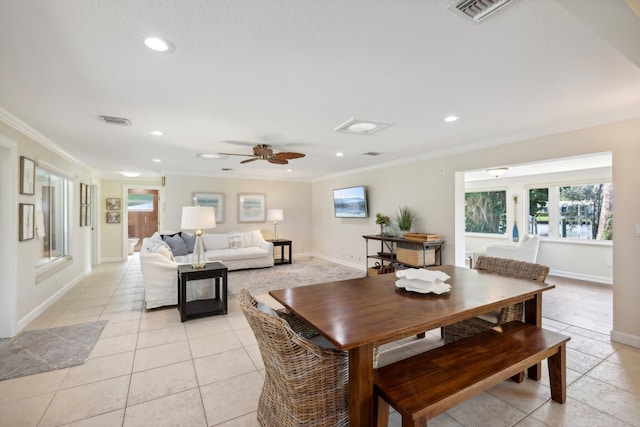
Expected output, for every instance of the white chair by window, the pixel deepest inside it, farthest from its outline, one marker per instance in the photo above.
(526, 249)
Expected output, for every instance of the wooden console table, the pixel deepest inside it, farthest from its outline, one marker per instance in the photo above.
(389, 250)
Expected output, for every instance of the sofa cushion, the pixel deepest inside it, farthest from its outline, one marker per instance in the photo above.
(235, 240)
(189, 241)
(176, 244)
(235, 254)
(215, 241)
(165, 252)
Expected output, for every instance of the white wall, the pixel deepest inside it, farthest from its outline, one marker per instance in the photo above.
(294, 198)
(429, 186)
(36, 289)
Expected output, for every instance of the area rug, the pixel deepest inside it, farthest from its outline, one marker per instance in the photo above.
(43, 350)
(300, 273)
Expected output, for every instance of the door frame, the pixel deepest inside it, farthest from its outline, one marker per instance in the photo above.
(125, 212)
(9, 246)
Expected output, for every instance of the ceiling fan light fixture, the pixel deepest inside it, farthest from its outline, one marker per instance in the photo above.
(361, 127)
(497, 172)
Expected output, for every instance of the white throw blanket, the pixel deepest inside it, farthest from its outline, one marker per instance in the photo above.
(423, 281)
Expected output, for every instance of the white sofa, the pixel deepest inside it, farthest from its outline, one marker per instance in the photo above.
(237, 250)
(525, 250)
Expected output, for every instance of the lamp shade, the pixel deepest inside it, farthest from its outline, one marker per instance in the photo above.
(198, 217)
(275, 215)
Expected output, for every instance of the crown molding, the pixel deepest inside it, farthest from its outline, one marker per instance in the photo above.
(14, 122)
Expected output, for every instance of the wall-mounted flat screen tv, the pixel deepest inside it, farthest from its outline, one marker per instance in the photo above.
(350, 202)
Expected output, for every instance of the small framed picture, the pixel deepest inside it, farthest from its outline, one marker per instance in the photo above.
(113, 217)
(113, 204)
(27, 176)
(251, 207)
(214, 200)
(25, 214)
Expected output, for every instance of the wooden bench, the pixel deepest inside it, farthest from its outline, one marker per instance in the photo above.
(423, 386)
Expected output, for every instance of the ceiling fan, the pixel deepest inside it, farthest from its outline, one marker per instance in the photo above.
(264, 152)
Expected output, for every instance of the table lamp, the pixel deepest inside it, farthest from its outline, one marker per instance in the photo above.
(275, 215)
(198, 218)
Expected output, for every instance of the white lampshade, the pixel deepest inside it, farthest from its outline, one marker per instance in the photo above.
(198, 217)
(275, 215)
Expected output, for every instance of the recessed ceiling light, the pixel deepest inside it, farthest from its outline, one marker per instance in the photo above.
(339, 154)
(361, 127)
(130, 174)
(450, 119)
(289, 170)
(156, 160)
(208, 156)
(156, 132)
(159, 45)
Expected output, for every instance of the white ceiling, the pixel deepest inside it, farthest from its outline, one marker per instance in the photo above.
(287, 72)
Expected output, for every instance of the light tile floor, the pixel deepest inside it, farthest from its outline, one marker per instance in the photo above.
(149, 369)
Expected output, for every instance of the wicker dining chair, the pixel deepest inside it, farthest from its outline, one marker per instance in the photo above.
(305, 384)
(504, 267)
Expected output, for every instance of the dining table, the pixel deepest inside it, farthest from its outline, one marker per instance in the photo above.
(357, 315)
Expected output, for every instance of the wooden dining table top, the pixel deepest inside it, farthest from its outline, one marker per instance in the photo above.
(372, 310)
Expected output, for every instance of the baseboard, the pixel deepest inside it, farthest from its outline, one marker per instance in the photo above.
(585, 277)
(628, 339)
(26, 320)
(357, 266)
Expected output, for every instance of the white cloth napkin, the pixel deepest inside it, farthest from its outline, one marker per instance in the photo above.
(423, 281)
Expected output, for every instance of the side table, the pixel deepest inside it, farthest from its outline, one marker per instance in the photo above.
(202, 307)
(282, 243)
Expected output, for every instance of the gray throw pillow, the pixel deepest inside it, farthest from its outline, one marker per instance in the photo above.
(176, 244)
(266, 309)
(189, 241)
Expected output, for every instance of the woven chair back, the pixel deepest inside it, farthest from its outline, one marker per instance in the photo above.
(513, 268)
(305, 384)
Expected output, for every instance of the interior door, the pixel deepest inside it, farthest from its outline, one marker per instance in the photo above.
(142, 214)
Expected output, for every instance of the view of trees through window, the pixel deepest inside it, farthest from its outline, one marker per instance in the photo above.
(576, 211)
(485, 212)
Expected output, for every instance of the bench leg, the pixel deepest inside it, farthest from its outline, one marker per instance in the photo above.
(519, 377)
(381, 408)
(558, 375)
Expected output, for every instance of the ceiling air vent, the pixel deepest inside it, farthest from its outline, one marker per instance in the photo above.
(372, 153)
(115, 121)
(478, 10)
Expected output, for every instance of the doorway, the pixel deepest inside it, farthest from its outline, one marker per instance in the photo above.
(142, 215)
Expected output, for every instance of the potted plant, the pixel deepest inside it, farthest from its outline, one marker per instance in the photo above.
(382, 221)
(404, 218)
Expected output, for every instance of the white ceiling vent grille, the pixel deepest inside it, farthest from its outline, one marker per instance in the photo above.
(478, 10)
(115, 121)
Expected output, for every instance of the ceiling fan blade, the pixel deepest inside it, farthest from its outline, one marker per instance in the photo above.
(249, 160)
(236, 154)
(262, 150)
(277, 161)
(288, 155)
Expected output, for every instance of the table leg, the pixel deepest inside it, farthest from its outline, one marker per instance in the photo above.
(361, 386)
(533, 316)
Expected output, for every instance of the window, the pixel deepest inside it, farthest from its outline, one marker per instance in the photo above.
(485, 212)
(572, 211)
(51, 218)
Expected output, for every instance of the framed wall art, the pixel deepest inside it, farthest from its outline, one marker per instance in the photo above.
(113, 204)
(113, 217)
(25, 217)
(214, 200)
(27, 176)
(251, 207)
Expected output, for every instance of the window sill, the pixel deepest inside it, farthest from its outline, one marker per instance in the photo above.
(45, 272)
